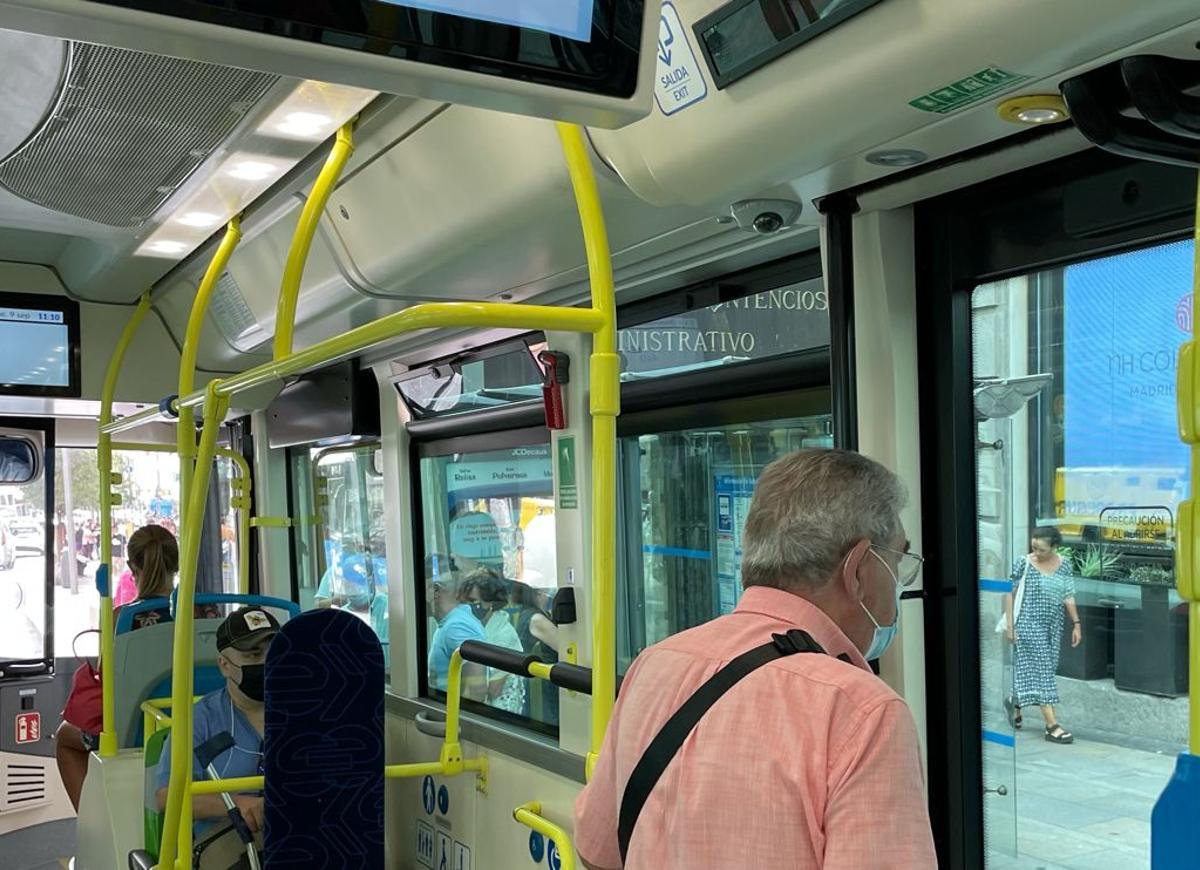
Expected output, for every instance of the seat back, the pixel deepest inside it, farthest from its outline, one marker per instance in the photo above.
(142, 670)
(153, 817)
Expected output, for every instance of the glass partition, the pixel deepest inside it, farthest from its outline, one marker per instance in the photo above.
(1083, 639)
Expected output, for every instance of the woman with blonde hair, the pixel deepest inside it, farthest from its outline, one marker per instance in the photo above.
(153, 555)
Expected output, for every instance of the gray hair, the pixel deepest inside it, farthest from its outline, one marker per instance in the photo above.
(810, 507)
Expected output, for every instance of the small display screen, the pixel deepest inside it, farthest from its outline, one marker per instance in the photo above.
(38, 345)
(33, 348)
(569, 18)
(745, 35)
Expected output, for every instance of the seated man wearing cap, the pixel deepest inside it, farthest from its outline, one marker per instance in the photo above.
(242, 641)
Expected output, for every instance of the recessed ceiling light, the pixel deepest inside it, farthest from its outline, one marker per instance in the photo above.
(897, 157)
(1040, 116)
(199, 219)
(1034, 109)
(304, 124)
(167, 246)
(252, 170)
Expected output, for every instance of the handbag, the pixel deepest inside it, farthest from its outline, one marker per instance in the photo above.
(84, 708)
(1002, 622)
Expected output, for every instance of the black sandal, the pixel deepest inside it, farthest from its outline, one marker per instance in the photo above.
(1014, 712)
(1057, 734)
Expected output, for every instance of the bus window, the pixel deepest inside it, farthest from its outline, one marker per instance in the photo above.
(685, 496)
(350, 548)
(490, 573)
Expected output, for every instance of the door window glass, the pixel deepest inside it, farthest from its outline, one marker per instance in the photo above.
(685, 495)
(490, 572)
(1080, 476)
(348, 489)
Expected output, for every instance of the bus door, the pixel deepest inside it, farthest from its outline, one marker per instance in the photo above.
(1052, 452)
(32, 688)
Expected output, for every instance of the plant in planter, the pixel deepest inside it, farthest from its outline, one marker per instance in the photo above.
(1096, 562)
(1152, 575)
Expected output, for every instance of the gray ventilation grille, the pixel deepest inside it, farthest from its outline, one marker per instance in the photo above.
(128, 130)
(24, 785)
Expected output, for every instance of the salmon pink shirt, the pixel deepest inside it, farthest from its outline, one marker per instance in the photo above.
(808, 762)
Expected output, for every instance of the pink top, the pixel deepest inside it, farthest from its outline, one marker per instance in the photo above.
(126, 590)
(809, 762)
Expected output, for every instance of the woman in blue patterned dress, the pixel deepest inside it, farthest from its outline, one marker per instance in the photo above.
(1038, 626)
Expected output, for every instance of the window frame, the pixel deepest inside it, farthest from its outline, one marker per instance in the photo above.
(432, 449)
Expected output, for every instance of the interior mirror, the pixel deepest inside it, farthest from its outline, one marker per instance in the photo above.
(18, 461)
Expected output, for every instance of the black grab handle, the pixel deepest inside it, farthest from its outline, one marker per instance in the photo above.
(498, 657)
(574, 677)
(566, 676)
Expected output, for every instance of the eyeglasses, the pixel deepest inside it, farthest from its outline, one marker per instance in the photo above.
(908, 565)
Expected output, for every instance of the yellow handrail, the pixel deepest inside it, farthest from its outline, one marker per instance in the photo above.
(108, 736)
(605, 383)
(431, 315)
(530, 815)
(154, 714)
(185, 430)
(306, 228)
(600, 320)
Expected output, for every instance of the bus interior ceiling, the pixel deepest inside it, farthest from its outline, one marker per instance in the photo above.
(120, 168)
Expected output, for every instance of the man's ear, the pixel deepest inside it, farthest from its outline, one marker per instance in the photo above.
(849, 569)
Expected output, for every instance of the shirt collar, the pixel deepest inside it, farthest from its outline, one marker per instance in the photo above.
(797, 611)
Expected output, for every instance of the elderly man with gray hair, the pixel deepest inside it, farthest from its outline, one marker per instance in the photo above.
(763, 738)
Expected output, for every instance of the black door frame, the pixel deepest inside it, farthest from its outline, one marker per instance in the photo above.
(1080, 207)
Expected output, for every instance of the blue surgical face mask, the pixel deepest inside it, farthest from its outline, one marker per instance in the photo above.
(884, 634)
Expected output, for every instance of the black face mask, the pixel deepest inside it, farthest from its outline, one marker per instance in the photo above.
(252, 683)
(481, 611)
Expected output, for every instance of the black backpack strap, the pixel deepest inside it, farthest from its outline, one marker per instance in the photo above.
(666, 743)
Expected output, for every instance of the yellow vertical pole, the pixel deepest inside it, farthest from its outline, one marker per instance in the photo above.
(185, 431)
(605, 382)
(1190, 586)
(108, 736)
(306, 228)
(215, 408)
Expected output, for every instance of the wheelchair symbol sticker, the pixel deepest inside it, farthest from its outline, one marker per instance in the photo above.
(552, 858)
(444, 800)
(427, 794)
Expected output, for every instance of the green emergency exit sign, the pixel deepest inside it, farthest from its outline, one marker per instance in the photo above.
(965, 92)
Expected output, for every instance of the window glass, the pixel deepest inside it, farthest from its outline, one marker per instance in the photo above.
(784, 320)
(148, 493)
(685, 498)
(490, 570)
(1080, 476)
(348, 488)
(488, 382)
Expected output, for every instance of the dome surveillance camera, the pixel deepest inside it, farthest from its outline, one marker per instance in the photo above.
(765, 216)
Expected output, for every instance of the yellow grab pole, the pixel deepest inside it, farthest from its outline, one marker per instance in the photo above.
(185, 431)
(1190, 586)
(530, 815)
(182, 677)
(108, 736)
(605, 382)
(306, 228)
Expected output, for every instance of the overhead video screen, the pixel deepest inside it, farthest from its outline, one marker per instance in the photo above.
(569, 18)
(39, 345)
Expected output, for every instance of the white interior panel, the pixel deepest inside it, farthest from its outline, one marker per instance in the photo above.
(812, 108)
